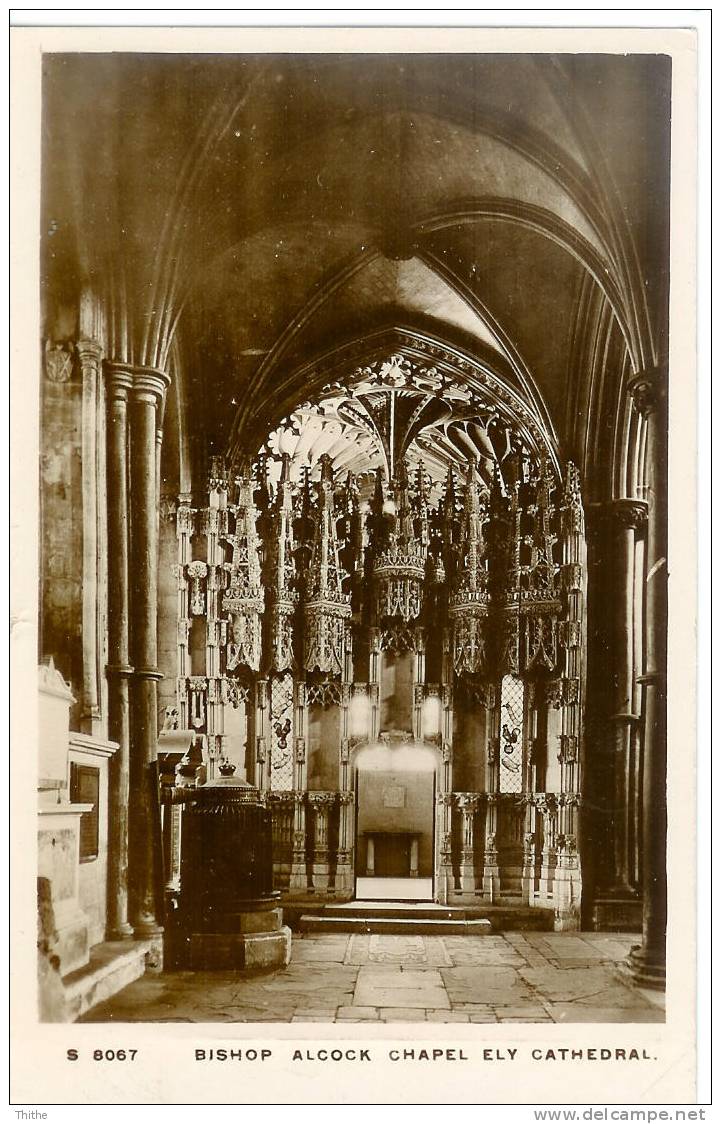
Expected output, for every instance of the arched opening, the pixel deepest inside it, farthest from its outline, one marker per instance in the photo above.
(395, 787)
(389, 587)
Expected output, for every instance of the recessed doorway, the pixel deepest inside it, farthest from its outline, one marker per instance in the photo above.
(395, 823)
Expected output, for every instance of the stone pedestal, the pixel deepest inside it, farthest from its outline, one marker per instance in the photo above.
(619, 914)
(95, 753)
(256, 940)
(229, 909)
(59, 822)
(58, 862)
(566, 889)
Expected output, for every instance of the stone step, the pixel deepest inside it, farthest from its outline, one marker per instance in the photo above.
(322, 923)
(405, 910)
(112, 966)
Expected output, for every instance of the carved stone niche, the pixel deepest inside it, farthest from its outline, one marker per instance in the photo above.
(568, 752)
(196, 571)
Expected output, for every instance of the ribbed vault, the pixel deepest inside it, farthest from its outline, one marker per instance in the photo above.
(271, 208)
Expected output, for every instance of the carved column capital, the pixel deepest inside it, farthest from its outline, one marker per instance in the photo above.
(89, 352)
(118, 381)
(322, 800)
(624, 514)
(646, 389)
(149, 384)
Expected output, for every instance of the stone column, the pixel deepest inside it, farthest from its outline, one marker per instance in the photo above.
(374, 685)
(491, 871)
(89, 354)
(414, 857)
(447, 678)
(468, 803)
(262, 703)
(528, 874)
(118, 382)
(344, 869)
(299, 866)
(321, 803)
(370, 856)
(566, 885)
(300, 778)
(171, 838)
(546, 804)
(145, 845)
(444, 836)
(648, 960)
(624, 518)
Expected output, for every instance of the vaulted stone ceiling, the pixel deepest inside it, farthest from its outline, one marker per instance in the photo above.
(240, 216)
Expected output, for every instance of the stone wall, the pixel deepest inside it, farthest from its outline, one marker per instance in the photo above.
(61, 543)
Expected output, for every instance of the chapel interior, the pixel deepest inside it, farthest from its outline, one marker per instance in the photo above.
(353, 504)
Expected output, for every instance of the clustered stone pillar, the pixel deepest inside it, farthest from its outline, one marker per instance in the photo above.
(624, 517)
(118, 383)
(648, 961)
(145, 397)
(89, 355)
(134, 395)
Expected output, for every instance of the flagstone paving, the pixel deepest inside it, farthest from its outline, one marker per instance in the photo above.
(364, 978)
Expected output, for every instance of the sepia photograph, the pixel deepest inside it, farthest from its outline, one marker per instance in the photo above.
(352, 601)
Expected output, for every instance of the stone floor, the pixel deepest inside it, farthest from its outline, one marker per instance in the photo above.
(354, 978)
